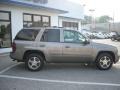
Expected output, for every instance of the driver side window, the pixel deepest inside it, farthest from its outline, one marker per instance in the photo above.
(73, 37)
(80, 37)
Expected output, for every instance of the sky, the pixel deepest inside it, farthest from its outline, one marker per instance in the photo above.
(101, 7)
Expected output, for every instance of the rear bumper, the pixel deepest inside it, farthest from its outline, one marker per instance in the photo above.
(15, 57)
(12, 56)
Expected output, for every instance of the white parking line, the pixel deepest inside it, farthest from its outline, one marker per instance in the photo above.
(59, 81)
(8, 68)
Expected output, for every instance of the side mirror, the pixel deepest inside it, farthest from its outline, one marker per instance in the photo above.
(87, 41)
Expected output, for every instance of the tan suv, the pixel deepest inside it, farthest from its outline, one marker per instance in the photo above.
(35, 46)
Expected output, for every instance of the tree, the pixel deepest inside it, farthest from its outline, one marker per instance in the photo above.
(104, 19)
(87, 20)
(101, 19)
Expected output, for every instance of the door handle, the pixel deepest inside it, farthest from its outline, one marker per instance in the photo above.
(67, 46)
(42, 45)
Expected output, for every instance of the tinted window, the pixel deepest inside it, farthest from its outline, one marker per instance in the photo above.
(51, 35)
(27, 34)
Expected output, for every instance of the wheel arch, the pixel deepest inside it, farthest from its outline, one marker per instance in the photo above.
(33, 51)
(109, 52)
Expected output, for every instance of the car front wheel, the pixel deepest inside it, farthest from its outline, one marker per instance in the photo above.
(34, 62)
(104, 61)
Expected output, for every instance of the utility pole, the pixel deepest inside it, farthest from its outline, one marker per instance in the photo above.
(113, 21)
(93, 19)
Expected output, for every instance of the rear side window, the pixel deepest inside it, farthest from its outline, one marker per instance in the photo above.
(51, 35)
(27, 35)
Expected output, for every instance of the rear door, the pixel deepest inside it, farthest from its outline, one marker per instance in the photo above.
(50, 44)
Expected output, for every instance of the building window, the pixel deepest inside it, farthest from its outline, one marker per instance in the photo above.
(37, 21)
(27, 18)
(70, 25)
(4, 16)
(5, 29)
(45, 21)
(32, 20)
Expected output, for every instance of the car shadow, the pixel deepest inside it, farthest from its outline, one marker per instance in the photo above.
(67, 66)
(57, 68)
(67, 71)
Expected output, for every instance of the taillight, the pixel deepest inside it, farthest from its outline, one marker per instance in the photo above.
(13, 47)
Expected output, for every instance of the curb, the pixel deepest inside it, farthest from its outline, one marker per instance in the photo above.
(4, 54)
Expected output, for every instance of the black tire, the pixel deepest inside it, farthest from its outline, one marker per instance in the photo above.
(112, 39)
(108, 61)
(118, 39)
(39, 62)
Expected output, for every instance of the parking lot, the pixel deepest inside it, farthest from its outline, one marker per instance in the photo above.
(14, 76)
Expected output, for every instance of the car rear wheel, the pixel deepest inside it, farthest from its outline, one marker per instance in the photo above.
(34, 62)
(104, 61)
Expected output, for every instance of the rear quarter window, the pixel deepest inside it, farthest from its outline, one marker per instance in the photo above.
(27, 35)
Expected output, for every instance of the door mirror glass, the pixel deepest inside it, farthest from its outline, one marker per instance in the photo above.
(87, 41)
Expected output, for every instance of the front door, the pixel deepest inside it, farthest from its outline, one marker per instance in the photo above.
(74, 49)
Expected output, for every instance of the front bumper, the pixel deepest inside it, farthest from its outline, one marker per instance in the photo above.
(117, 57)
